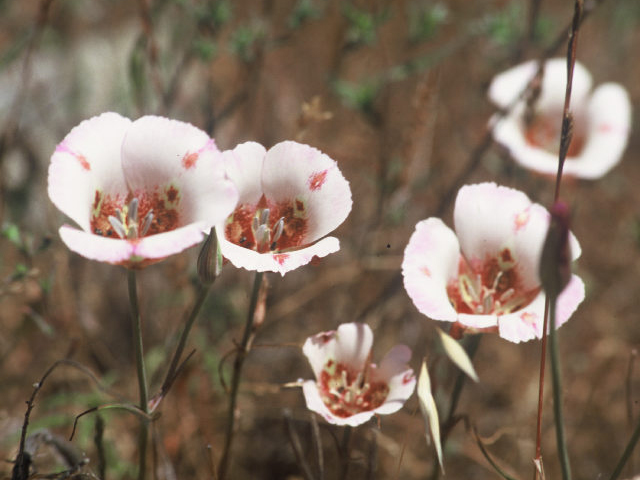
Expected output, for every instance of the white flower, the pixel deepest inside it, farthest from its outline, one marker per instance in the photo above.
(485, 275)
(602, 120)
(349, 389)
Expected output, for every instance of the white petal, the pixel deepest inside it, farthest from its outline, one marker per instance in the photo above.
(275, 262)
(88, 159)
(95, 247)
(296, 172)
(485, 217)
(398, 376)
(353, 345)
(609, 127)
(509, 132)
(430, 259)
(319, 349)
(244, 168)
(477, 321)
(569, 299)
(169, 243)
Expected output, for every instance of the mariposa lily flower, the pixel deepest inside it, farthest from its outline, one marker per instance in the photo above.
(290, 197)
(602, 120)
(485, 276)
(349, 389)
(139, 191)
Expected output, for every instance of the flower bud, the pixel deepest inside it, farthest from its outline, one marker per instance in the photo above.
(555, 262)
(209, 263)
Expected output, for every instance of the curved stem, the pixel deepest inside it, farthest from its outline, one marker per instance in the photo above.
(627, 453)
(557, 391)
(543, 364)
(242, 352)
(142, 374)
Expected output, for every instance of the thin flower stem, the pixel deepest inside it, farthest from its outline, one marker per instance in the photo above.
(627, 453)
(557, 391)
(449, 422)
(543, 364)
(203, 292)
(241, 354)
(345, 452)
(142, 374)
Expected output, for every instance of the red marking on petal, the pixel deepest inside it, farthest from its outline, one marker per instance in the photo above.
(605, 128)
(505, 256)
(83, 162)
(172, 193)
(299, 205)
(189, 160)
(316, 180)
(529, 318)
(407, 378)
(281, 258)
(522, 219)
(426, 271)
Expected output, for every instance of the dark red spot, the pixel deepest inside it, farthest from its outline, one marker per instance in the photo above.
(316, 180)
(189, 160)
(505, 256)
(96, 200)
(299, 205)
(407, 378)
(172, 194)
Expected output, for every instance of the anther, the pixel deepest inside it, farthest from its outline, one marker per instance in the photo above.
(132, 213)
(118, 226)
(264, 216)
(278, 230)
(146, 223)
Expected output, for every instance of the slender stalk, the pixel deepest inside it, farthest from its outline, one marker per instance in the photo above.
(241, 354)
(449, 423)
(627, 453)
(543, 364)
(203, 292)
(142, 374)
(557, 391)
(344, 452)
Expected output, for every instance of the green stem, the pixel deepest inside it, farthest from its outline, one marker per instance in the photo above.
(242, 352)
(447, 425)
(345, 452)
(175, 361)
(627, 453)
(142, 374)
(557, 391)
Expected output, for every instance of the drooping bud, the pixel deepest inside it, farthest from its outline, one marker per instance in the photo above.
(209, 263)
(555, 262)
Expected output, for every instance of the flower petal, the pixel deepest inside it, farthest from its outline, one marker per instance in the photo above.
(275, 262)
(609, 114)
(169, 243)
(353, 345)
(398, 376)
(158, 153)
(244, 168)
(296, 172)
(430, 259)
(88, 159)
(95, 247)
(319, 349)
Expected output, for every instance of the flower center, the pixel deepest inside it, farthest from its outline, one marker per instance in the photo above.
(544, 131)
(490, 288)
(273, 228)
(142, 215)
(346, 394)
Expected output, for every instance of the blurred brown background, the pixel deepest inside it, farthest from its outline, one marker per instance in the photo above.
(395, 92)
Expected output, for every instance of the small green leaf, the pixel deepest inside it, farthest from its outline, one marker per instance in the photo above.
(457, 355)
(429, 411)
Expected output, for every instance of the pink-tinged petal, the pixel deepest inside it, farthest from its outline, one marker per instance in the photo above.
(569, 299)
(478, 321)
(281, 262)
(244, 168)
(509, 132)
(399, 377)
(353, 344)
(95, 247)
(430, 261)
(524, 324)
(484, 219)
(168, 243)
(507, 86)
(319, 349)
(302, 176)
(609, 117)
(88, 159)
